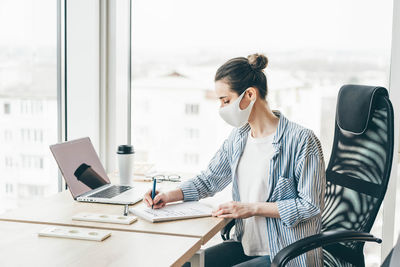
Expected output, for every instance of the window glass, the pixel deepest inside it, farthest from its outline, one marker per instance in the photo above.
(28, 88)
(314, 47)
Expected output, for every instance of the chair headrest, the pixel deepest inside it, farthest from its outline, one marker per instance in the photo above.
(355, 106)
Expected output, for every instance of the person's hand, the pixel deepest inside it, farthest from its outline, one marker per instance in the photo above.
(159, 200)
(235, 210)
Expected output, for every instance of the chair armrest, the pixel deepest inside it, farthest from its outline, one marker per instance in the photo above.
(315, 241)
(225, 232)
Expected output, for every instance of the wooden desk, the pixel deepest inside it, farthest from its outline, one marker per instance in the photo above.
(21, 246)
(59, 209)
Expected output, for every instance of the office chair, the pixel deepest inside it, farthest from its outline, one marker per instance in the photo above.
(357, 177)
(309, 243)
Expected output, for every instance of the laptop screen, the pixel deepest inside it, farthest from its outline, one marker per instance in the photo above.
(80, 165)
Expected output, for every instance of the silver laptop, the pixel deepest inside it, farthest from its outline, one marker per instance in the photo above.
(85, 176)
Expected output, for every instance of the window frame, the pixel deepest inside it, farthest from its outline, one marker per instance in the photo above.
(60, 79)
(78, 66)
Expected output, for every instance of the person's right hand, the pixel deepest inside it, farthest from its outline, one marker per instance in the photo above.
(159, 200)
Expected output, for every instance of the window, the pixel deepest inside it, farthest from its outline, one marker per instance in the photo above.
(192, 109)
(32, 162)
(26, 191)
(24, 107)
(8, 162)
(313, 49)
(28, 87)
(9, 188)
(192, 133)
(191, 158)
(7, 108)
(7, 135)
(41, 163)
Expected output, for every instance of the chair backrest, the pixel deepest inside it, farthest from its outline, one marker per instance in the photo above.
(359, 167)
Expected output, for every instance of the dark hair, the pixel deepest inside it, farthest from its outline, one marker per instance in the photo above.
(241, 73)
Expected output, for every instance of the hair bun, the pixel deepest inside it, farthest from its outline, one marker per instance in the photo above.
(258, 61)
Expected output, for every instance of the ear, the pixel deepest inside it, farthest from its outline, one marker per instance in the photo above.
(251, 92)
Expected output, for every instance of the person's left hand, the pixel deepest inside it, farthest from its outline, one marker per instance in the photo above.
(235, 210)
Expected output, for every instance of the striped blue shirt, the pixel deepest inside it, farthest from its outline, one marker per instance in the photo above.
(296, 184)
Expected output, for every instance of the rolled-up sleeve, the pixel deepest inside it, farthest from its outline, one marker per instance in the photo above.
(212, 180)
(311, 181)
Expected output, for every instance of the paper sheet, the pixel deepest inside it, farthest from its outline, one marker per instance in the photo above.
(183, 210)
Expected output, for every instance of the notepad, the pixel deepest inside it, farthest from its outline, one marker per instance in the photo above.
(177, 211)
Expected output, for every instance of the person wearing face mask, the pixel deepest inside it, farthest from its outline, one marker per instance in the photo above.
(276, 168)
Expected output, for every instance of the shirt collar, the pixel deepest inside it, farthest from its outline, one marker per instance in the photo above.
(279, 131)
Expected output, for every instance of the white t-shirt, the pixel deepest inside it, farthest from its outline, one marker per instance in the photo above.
(253, 173)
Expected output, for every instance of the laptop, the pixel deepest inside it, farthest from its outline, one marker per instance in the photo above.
(85, 176)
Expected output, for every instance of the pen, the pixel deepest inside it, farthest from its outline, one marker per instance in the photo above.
(126, 210)
(153, 192)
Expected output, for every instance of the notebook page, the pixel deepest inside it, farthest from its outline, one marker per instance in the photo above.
(183, 210)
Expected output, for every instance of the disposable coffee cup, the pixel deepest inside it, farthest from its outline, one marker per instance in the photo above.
(125, 155)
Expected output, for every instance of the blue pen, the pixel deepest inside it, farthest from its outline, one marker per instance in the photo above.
(153, 192)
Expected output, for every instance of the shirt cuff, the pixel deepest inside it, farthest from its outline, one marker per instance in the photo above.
(189, 191)
(288, 212)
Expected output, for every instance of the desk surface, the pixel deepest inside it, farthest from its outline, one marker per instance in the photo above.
(59, 209)
(21, 246)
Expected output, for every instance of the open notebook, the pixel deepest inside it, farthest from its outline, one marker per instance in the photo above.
(177, 211)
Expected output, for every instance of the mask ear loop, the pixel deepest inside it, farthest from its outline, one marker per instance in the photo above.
(251, 104)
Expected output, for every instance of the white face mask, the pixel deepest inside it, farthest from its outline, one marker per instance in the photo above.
(233, 115)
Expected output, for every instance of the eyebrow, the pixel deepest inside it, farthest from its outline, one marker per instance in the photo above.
(221, 97)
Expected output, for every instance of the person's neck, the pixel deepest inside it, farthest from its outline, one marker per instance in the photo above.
(263, 122)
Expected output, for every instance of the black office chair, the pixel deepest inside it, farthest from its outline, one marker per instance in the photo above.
(306, 244)
(357, 177)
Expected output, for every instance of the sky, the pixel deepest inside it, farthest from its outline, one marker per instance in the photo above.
(173, 25)
(28, 22)
(267, 24)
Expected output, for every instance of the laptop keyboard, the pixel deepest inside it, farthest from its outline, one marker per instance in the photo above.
(112, 191)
